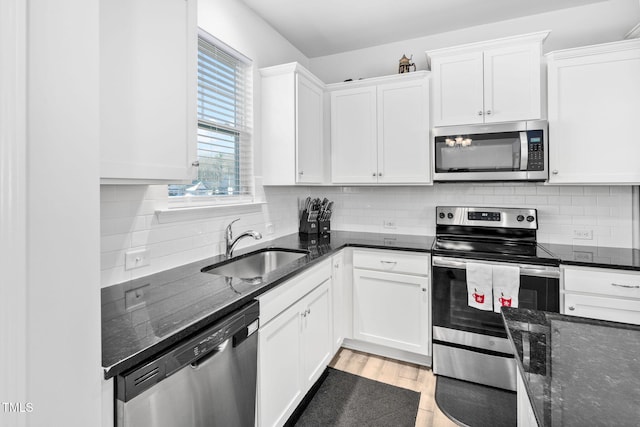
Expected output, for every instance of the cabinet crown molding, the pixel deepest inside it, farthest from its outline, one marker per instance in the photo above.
(288, 68)
(617, 46)
(538, 37)
(414, 75)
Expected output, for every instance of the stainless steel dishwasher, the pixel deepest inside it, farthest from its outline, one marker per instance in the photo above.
(208, 380)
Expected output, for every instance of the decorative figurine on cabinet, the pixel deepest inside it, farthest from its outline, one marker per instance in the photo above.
(406, 64)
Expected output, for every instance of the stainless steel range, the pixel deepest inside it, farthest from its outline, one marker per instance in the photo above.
(483, 259)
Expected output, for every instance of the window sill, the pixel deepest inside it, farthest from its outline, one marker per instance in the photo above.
(203, 212)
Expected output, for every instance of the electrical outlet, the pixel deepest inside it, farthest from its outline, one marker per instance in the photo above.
(136, 258)
(583, 234)
(135, 297)
(269, 229)
(389, 223)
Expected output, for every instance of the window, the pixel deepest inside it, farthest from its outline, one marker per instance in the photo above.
(225, 174)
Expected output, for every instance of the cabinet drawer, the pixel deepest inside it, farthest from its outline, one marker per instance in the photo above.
(602, 281)
(392, 261)
(603, 308)
(278, 299)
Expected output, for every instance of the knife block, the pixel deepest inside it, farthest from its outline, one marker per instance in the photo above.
(307, 227)
(324, 227)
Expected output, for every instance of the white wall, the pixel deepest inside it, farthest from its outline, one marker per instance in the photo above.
(580, 26)
(52, 150)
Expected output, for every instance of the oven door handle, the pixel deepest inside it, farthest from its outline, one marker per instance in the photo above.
(525, 269)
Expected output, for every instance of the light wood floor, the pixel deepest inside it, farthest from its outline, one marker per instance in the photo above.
(400, 374)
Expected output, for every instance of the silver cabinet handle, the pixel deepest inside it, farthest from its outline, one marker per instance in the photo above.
(555, 172)
(389, 262)
(301, 173)
(374, 174)
(379, 173)
(195, 163)
(571, 308)
(424, 289)
(626, 286)
(480, 113)
(488, 112)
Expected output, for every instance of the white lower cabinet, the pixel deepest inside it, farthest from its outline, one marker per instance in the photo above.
(390, 305)
(294, 349)
(526, 417)
(598, 293)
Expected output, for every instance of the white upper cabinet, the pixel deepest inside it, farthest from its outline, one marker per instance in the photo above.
(594, 106)
(353, 136)
(488, 82)
(292, 122)
(148, 80)
(380, 130)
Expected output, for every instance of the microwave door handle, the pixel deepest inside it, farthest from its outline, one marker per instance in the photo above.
(524, 151)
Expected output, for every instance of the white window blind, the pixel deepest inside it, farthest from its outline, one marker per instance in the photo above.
(225, 154)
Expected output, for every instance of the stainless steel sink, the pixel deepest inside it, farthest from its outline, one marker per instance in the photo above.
(254, 265)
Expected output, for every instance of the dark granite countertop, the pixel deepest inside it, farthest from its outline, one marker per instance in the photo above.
(577, 371)
(168, 306)
(595, 256)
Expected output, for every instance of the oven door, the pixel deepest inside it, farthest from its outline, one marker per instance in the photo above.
(539, 290)
(471, 344)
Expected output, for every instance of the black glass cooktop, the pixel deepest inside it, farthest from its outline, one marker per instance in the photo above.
(506, 250)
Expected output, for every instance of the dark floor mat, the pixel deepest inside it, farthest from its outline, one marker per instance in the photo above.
(476, 405)
(345, 399)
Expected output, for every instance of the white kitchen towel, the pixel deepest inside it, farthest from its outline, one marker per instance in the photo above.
(479, 286)
(506, 286)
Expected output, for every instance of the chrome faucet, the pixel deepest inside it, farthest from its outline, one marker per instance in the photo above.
(231, 242)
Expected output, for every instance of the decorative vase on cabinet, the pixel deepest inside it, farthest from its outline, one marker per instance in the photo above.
(488, 82)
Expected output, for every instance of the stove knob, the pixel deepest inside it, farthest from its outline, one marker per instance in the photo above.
(450, 215)
(530, 218)
(441, 215)
(520, 218)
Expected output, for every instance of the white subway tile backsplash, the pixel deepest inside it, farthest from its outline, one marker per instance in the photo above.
(128, 217)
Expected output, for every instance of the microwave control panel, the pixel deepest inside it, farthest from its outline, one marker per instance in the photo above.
(536, 150)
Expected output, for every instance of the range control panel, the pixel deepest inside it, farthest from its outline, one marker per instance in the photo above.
(487, 217)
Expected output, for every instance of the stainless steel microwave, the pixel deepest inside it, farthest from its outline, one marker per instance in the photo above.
(515, 151)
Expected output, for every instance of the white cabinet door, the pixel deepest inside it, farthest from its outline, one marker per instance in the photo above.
(148, 78)
(280, 380)
(317, 332)
(512, 79)
(458, 89)
(392, 310)
(403, 132)
(353, 136)
(594, 105)
(280, 384)
(603, 308)
(292, 106)
(309, 125)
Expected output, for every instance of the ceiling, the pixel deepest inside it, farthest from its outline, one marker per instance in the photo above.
(325, 27)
